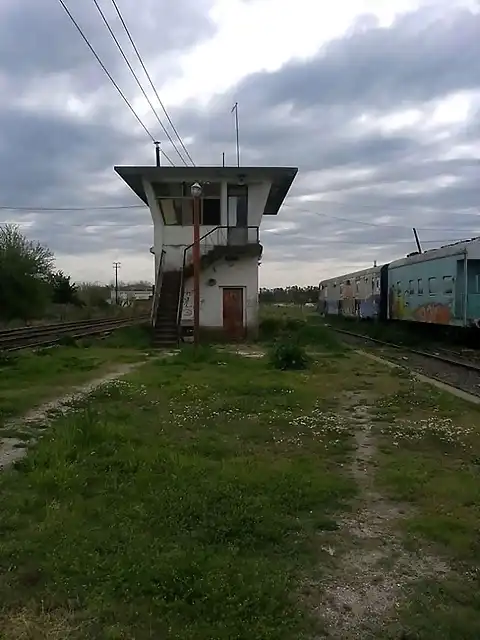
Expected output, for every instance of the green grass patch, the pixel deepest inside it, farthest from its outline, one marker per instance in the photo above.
(430, 457)
(186, 501)
(28, 378)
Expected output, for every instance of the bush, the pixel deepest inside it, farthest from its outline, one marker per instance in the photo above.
(289, 355)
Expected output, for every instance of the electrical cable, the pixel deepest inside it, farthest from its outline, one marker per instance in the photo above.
(119, 46)
(67, 11)
(150, 80)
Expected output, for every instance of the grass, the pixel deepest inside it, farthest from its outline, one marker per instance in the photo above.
(28, 378)
(186, 501)
(430, 458)
(198, 497)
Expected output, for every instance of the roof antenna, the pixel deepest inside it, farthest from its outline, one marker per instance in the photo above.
(419, 246)
(157, 153)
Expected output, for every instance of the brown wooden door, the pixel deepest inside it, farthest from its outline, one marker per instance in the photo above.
(233, 313)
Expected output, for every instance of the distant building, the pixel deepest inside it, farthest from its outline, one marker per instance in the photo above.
(126, 297)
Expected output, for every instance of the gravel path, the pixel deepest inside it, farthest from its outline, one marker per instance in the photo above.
(13, 449)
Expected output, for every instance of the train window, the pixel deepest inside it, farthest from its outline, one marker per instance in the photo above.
(357, 286)
(420, 286)
(432, 286)
(411, 287)
(377, 284)
(447, 284)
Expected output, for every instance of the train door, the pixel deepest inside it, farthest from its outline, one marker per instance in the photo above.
(473, 290)
(383, 306)
(459, 309)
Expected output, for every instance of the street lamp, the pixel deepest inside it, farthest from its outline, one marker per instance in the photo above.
(196, 191)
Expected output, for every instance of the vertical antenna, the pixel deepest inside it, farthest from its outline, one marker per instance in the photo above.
(419, 246)
(157, 154)
(235, 108)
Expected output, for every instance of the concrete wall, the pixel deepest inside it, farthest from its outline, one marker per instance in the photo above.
(241, 273)
(173, 239)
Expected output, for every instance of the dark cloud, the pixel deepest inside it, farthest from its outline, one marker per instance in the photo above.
(368, 180)
(39, 38)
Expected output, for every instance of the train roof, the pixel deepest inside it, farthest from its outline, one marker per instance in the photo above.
(352, 276)
(464, 246)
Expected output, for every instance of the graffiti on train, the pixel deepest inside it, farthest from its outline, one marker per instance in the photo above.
(433, 312)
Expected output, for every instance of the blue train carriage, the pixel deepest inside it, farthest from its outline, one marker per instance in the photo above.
(440, 286)
(354, 295)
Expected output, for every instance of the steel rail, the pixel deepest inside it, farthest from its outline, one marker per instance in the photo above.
(44, 335)
(459, 363)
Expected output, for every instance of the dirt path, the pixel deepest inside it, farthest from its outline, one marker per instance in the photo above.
(15, 448)
(362, 595)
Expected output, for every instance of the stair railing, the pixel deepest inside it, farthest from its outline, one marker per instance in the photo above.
(207, 242)
(218, 236)
(158, 288)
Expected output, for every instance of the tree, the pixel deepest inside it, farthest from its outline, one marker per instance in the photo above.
(64, 291)
(25, 271)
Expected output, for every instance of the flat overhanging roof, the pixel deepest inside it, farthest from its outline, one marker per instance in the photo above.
(280, 177)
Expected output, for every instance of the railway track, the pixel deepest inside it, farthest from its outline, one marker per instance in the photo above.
(452, 370)
(49, 334)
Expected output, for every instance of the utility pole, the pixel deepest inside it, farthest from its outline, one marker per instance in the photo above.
(116, 267)
(196, 191)
(235, 109)
(223, 159)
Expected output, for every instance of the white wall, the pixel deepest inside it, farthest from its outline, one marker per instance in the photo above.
(173, 239)
(257, 198)
(158, 225)
(242, 273)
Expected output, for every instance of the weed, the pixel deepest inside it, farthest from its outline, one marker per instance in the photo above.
(288, 355)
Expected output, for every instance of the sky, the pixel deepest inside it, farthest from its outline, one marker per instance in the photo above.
(377, 102)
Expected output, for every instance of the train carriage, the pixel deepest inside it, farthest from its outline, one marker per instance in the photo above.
(352, 295)
(440, 286)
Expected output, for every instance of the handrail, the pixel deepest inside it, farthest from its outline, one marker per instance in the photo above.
(182, 276)
(158, 289)
(216, 230)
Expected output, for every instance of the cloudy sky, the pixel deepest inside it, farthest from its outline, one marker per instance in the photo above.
(376, 101)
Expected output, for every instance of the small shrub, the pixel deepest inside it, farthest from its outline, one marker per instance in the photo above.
(288, 355)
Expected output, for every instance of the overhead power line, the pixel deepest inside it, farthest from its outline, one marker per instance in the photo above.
(67, 11)
(377, 225)
(119, 46)
(150, 80)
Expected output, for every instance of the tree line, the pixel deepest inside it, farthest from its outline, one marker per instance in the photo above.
(289, 295)
(30, 284)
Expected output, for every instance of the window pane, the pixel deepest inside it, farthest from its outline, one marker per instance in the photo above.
(447, 284)
(432, 285)
(212, 189)
(171, 210)
(187, 211)
(211, 212)
(420, 286)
